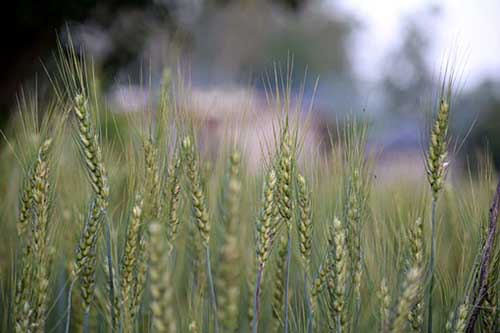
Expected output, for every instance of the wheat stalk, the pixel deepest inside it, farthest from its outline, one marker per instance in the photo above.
(94, 166)
(437, 165)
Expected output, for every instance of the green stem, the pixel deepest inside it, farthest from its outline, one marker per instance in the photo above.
(256, 302)
(86, 319)
(308, 302)
(287, 276)
(432, 264)
(111, 280)
(212, 288)
(68, 314)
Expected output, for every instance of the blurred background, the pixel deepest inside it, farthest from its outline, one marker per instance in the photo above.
(381, 59)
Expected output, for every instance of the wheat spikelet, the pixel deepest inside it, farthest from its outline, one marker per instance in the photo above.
(22, 301)
(174, 192)
(86, 255)
(266, 223)
(438, 149)
(416, 240)
(323, 272)
(200, 211)
(26, 197)
(279, 287)
(129, 258)
(305, 221)
(285, 180)
(152, 181)
(24, 207)
(197, 262)
(337, 279)
(91, 151)
(41, 291)
(23, 324)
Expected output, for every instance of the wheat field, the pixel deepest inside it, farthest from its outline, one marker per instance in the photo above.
(125, 223)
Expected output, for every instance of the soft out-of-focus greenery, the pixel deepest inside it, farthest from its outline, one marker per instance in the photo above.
(391, 209)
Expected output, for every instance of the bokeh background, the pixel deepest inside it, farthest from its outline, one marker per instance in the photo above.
(382, 59)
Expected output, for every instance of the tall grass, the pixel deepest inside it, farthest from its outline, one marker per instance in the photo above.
(173, 237)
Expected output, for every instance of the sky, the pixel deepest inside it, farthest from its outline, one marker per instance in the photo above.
(466, 28)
